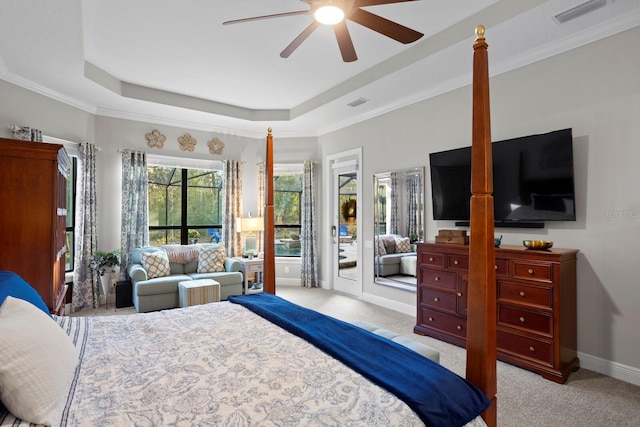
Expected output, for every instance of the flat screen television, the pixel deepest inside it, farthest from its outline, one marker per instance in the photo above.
(532, 181)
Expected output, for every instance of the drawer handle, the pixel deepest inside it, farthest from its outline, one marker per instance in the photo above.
(430, 259)
(430, 319)
(436, 299)
(522, 293)
(459, 327)
(436, 278)
(495, 267)
(522, 319)
(456, 262)
(530, 271)
(459, 294)
(532, 349)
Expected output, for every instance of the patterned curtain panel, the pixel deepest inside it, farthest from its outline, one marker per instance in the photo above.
(413, 215)
(85, 280)
(134, 230)
(232, 206)
(309, 247)
(393, 221)
(261, 201)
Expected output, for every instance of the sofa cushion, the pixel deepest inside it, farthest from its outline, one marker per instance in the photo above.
(211, 259)
(156, 264)
(403, 245)
(160, 285)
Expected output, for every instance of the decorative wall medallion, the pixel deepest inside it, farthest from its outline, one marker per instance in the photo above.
(155, 139)
(187, 142)
(215, 146)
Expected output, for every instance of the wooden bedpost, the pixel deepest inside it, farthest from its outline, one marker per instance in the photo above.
(269, 273)
(481, 325)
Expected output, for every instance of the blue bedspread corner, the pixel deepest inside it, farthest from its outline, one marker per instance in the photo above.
(439, 396)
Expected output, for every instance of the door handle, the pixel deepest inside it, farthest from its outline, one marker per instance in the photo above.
(333, 231)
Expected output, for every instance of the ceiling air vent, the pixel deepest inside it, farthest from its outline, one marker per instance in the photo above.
(357, 102)
(579, 10)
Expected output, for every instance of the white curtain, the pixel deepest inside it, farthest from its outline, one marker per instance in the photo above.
(309, 248)
(85, 280)
(392, 227)
(232, 207)
(134, 230)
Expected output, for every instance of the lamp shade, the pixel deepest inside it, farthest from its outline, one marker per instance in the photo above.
(329, 14)
(249, 224)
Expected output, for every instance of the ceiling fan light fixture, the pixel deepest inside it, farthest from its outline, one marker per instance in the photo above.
(329, 14)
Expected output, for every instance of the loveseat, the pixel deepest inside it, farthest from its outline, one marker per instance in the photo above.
(156, 271)
(390, 249)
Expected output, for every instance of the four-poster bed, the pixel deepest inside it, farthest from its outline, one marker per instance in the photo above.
(222, 363)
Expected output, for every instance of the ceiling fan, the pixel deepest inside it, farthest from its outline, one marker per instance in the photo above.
(335, 12)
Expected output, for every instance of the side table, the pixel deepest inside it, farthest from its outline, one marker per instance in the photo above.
(252, 274)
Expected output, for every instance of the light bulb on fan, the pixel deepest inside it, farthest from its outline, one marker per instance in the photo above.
(329, 15)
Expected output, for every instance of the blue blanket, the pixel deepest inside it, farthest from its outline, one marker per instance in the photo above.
(437, 395)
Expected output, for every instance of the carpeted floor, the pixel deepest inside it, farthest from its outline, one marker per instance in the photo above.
(524, 398)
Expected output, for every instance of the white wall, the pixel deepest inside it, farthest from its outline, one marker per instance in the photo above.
(596, 91)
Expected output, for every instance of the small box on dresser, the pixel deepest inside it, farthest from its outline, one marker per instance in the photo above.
(536, 304)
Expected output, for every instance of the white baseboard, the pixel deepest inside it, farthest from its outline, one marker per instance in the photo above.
(288, 281)
(407, 309)
(615, 370)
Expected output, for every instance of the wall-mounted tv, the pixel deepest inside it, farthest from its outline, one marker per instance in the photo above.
(532, 181)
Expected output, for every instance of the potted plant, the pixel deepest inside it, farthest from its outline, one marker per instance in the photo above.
(105, 263)
(193, 235)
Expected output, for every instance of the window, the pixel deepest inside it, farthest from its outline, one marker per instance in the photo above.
(71, 215)
(287, 196)
(181, 200)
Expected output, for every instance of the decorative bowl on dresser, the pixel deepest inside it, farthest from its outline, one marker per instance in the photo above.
(536, 304)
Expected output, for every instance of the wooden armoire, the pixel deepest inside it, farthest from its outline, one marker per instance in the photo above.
(33, 216)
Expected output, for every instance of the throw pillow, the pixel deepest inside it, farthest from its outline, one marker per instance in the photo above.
(37, 363)
(403, 245)
(211, 259)
(156, 264)
(380, 249)
(13, 285)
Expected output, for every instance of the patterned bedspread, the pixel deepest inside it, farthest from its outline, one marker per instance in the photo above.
(216, 364)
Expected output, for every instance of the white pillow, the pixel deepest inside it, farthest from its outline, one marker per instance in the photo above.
(211, 259)
(156, 264)
(37, 363)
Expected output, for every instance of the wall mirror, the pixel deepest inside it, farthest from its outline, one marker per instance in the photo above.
(398, 226)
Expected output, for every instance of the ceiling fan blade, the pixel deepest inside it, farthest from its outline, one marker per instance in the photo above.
(275, 15)
(360, 3)
(298, 40)
(345, 43)
(384, 26)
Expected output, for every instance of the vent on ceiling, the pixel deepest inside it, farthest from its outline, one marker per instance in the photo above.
(357, 102)
(579, 10)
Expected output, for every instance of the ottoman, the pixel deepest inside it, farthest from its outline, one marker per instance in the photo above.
(201, 291)
(408, 265)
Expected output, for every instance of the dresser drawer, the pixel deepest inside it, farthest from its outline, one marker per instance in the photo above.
(458, 262)
(533, 271)
(541, 296)
(526, 347)
(530, 320)
(443, 301)
(448, 323)
(502, 268)
(431, 259)
(438, 278)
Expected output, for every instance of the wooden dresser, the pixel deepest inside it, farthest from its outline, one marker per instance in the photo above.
(33, 216)
(536, 304)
